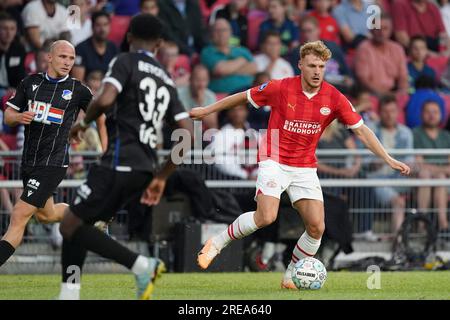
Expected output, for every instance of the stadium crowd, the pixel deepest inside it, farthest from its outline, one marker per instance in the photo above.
(391, 60)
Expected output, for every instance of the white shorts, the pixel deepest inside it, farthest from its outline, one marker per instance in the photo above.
(299, 183)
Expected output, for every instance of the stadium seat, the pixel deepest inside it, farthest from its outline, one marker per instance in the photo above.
(446, 98)
(183, 62)
(375, 103)
(438, 64)
(30, 64)
(402, 100)
(255, 18)
(119, 27)
(220, 96)
(350, 58)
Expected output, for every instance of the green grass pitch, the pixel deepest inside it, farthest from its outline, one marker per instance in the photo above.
(235, 286)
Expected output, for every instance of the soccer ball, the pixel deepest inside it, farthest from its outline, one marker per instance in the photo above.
(309, 273)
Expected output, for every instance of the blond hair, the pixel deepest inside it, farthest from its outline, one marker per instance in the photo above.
(317, 48)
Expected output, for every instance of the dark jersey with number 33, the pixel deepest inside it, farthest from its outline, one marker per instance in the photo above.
(147, 96)
(56, 104)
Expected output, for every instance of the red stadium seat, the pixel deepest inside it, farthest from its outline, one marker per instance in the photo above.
(183, 62)
(446, 98)
(375, 103)
(30, 65)
(220, 96)
(402, 100)
(255, 18)
(119, 27)
(438, 64)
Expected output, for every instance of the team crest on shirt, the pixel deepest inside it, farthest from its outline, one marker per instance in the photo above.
(67, 94)
(325, 111)
(263, 86)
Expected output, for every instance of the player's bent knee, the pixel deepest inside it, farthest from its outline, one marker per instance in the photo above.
(316, 230)
(21, 214)
(43, 218)
(264, 218)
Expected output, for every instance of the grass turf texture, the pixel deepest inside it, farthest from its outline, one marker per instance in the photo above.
(236, 286)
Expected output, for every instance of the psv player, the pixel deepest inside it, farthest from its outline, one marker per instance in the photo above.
(301, 108)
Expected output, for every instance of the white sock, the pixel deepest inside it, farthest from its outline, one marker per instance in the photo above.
(70, 291)
(140, 265)
(267, 252)
(240, 228)
(306, 246)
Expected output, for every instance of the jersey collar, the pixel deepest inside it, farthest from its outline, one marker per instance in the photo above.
(55, 80)
(306, 94)
(147, 53)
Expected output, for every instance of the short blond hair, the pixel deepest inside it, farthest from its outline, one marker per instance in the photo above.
(317, 48)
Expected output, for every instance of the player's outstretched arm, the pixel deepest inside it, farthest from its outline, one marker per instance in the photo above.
(96, 108)
(225, 103)
(153, 193)
(371, 141)
(102, 131)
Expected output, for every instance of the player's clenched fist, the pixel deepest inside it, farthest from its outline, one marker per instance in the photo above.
(25, 117)
(198, 113)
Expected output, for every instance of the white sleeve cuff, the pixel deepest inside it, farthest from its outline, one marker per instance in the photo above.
(9, 104)
(181, 116)
(114, 82)
(249, 99)
(356, 125)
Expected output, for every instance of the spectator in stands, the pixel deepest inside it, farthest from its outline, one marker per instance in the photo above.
(169, 57)
(279, 22)
(126, 7)
(5, 196)
(430, 136)
(337, 72)
(261, 6)
(445, 13)
(40, 63)
(295, 9)
(14, 8)
(444, 80)
(380, 63)
(207, 7)
(146, 6)
(229, 141)
(270, 61)
(232, 68)
(149, 7)
(43, 20)
(197, 94)
(83, 28)
(12, 55)
(329, 29)
(259, 118)
(425, 91)
(236, 14)
(364, 105)
(351, 16)
(96, 52)
(392, 135)
(184, 23)
(419, 17)
(417, 66)
(335, 136)
(94, 81)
